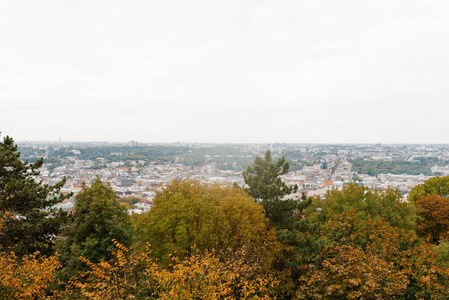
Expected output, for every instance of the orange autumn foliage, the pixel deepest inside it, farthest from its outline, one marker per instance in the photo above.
(205, 276)
(209, 217)
(27, 278)
(372, 260)
(201, 276)
(433, 222)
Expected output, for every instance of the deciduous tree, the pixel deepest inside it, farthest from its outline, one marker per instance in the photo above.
(433, 221)
(435, 185)
(131, 275)
(372, 260)
(205, 216)
(27, 277)
(387, 205)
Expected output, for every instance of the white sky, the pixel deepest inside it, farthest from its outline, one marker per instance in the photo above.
(225, 71)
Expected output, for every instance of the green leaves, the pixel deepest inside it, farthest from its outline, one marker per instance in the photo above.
(434, 185)
(97, 220)
(204, 216)
(372, 260)
(266, 186)
(32, 224)
(387, 205)
(263, 178)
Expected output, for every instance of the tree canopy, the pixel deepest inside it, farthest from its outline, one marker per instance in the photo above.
(434, 185)
(433, 221)
(97, 220)
(371, 167)
(371, 260)
(190, 214)
(32, 222)
(263, 178)
(387, 205)
(265, 185)
(368, 248)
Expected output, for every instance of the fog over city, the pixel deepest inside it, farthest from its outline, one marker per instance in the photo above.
(225, 71)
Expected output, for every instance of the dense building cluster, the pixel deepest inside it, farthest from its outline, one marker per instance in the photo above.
(316, 169)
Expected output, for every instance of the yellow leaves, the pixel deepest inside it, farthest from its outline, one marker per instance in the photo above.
(210, 216)
(205, 276)
(119, 246)
(4, 217)
(433, 211)
(29, 278)
(373, 260)
(200, 276)
(351, 272)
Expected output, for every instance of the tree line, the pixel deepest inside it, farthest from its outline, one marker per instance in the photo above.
(207, 241)
(420, 165)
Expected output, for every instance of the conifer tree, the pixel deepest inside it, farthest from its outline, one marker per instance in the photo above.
(263, 178)
(32, 223)
(266, 186)
(97, 221)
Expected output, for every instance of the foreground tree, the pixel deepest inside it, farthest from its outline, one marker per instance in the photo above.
(387, 205)
(435, 185)
(433, 221)
(32, 223)
(97, 221)
(131, 275)
(263, 178)
(372, 260)
(27, 277)
(266, 186)
(205, 216)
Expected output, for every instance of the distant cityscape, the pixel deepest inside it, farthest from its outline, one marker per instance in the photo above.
(137, 170)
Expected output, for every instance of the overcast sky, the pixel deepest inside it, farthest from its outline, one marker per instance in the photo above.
(225, 71)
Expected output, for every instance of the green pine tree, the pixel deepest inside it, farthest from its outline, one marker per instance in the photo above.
(266, 186)
(286, 215)
(98, 219)
(32, 223)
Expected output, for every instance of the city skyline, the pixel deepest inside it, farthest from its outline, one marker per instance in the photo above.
(333, 72)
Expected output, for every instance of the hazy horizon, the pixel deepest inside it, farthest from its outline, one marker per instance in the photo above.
(140, 143)
(327, 72)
